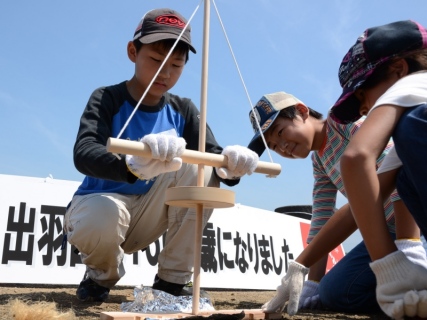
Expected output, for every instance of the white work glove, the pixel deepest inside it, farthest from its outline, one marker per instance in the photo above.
(413, 250)
(309, 298)
(241, 161)
(289, 291)
(401, 286)
(165, 156)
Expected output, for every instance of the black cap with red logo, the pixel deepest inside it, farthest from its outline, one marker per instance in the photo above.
(161, 24)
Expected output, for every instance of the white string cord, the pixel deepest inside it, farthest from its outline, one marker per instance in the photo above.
(243, 82)
(157, 73)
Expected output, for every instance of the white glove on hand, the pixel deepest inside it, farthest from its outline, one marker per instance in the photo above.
(241, 161)
(413, 250)
(164, 147)
(288, 291)
(401, 286)
(309, 298)
(165, 150)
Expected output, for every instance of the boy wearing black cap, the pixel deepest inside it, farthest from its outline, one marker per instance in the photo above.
(293, 130)
(384, 76)
(120, 207)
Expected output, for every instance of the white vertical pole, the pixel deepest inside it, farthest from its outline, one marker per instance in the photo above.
(201, 169)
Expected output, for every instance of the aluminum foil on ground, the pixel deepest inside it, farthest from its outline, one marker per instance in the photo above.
(148, 300)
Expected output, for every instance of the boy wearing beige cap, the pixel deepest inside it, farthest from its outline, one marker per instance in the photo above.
(120, 206)
(293, 130)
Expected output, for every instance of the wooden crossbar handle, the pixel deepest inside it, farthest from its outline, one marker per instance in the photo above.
(189, 156)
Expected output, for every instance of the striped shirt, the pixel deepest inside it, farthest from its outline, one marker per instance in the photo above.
(327, 176)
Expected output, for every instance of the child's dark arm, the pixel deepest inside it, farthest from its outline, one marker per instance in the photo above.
(90, 154)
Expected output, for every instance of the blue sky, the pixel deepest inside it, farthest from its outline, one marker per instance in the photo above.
(55, 53)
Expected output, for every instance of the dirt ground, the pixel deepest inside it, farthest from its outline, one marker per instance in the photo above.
(65, 299)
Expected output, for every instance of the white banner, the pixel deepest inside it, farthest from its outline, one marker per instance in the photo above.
(242, 248)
